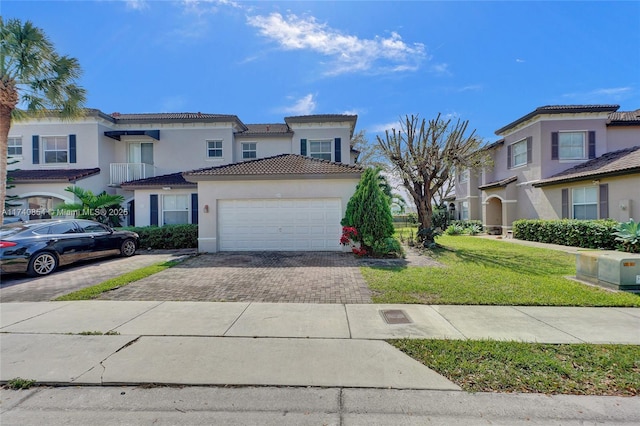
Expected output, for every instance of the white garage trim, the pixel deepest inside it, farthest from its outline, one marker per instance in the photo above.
(295, 224)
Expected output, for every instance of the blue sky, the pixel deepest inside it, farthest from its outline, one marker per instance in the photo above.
(486, 62)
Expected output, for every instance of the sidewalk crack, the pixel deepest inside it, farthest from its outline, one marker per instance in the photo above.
(236, 320)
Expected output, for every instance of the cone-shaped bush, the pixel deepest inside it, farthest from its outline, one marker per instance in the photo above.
(368, 210)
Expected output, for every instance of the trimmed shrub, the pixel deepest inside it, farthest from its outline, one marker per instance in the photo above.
(167, 237)
(596, 234)
(389, 247)
(368, 211)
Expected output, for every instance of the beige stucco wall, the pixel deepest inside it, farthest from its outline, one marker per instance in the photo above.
(620, 137)
(265, 147)
(142, 207)
(323, 131)
(210, 192)
(624, 197)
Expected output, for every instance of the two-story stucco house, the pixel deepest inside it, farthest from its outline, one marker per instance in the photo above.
(564, 161)
(280, 186)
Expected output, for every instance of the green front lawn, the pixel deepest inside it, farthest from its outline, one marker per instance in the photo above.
(480, 271)
(95, 291)
(491, 366)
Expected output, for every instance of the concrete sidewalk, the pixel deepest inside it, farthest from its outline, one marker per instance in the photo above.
(200, 343)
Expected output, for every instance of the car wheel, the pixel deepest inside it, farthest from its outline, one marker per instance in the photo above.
(128, 248)
(42, 264)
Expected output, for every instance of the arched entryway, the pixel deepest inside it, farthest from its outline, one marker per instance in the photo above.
(493, 216)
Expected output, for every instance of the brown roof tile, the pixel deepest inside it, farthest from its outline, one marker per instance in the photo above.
(622, 162)
(285, 164)
(266, 129)
(624, 118)
(173, 179)
(558, 109)
(499, 183)
(50, 175)
(180, 117)
(315, 118)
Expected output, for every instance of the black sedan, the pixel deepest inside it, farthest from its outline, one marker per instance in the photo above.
(38, 247)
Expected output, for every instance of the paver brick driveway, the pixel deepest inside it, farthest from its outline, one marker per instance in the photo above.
(304, 277)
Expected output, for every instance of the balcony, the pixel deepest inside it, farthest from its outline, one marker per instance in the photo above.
(124, 172)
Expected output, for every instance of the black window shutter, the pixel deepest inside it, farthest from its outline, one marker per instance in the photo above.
(72, 148)
(303, 147)
(35, 148)
(592, 145)
(338, 150)
(565, 203)
(508, 156)
(554, 145)
(194, 208)
(604, 201)
(529, 149)
(153, 209)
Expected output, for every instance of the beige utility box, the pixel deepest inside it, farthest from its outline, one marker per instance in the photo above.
(613, 269)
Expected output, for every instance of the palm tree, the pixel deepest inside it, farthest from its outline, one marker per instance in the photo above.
(103, 207)
(35, 77)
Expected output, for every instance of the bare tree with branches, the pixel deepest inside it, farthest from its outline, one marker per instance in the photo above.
(425, 155)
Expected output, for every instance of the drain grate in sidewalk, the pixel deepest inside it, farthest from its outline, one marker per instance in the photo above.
(395, 316)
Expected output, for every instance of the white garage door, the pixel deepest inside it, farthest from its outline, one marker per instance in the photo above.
(280, 224)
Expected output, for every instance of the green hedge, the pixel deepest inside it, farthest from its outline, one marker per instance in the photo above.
(596, 234)
(167, 237)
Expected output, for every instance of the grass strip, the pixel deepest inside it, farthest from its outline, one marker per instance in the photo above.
(93, 292)
(494, 366)
(480, 271)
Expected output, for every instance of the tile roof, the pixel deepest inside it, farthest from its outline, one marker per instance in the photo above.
(180, 117)
(558, 109)
(314, 118)
(622, 162)
(499, 183)
(50, 175)
(624, 118)
(284, 164)
(173, 179)
(172, 116)
(266, 129)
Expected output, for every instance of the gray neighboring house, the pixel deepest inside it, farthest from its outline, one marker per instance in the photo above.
(558, 161)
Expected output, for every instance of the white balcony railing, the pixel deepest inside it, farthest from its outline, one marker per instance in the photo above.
(124, 172)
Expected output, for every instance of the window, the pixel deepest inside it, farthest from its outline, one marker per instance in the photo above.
(320, 149)
(63, 228)
(175, 209)
(585, 202)
(571, 145)
(519, 153)
(55, 149)
(249, 151)
(214, 149)
(464, 210)
(14, 147)
(93, 227)
(464, 176)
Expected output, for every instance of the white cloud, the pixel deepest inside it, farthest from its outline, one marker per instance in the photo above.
(442, 69)
(520, 61)
(349, 53)
(470, 88)
(601, 95)
(303, 106)
(380, 128)
(137, 4)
